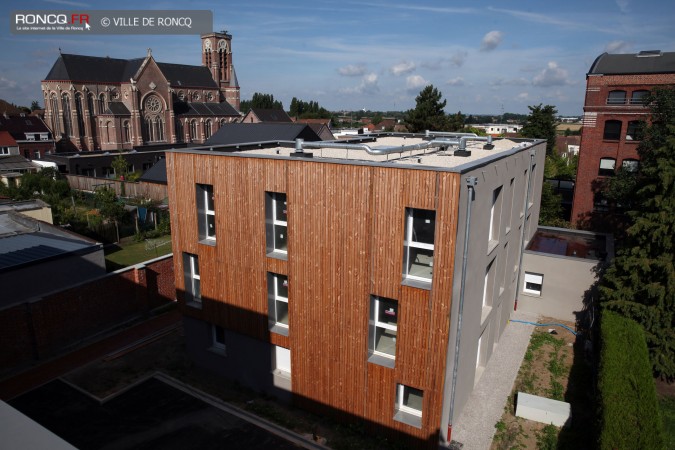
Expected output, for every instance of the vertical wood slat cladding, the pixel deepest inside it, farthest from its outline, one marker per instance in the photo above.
(345, 242)
(329, 262)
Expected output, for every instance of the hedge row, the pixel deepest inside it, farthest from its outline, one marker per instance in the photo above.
(629, 409)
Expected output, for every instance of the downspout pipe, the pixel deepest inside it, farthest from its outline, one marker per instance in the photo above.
(430, 134)
(522, 226)
(471, 183)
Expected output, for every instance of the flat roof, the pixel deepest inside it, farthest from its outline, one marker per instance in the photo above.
(424, 159)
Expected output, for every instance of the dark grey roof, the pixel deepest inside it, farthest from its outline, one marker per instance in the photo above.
(24, 240)
(240, 133)
(156, 173)
(204, 109)
(184, 75)
(271, 115)
(117, 109)
(113, 70)
(15, 162)
(18, 126)
(635, 63)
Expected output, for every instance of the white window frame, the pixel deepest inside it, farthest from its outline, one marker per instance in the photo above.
(193, 278)
(535, 278)
(411, 243)
(274, 292)
(276, 222)
(376, 304)
(205, 191)
(215, 344)
(282, 356)
(400, 396)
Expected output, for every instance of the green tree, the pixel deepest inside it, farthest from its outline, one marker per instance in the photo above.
(540, 124)
(110, 208)
(121, 166)
(428, 113)
(640, 282)
(35, 105)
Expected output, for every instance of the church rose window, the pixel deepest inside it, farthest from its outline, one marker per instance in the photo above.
(153, 104)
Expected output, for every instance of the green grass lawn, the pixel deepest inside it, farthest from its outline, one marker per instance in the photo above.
(668, 415)
(129, 252)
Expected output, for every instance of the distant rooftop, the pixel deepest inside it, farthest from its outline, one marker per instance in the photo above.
(645, 62)
(571, 243)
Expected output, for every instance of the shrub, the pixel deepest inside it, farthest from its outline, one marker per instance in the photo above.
(629, 410)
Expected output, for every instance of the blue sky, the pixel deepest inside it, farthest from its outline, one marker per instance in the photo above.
(485, 57)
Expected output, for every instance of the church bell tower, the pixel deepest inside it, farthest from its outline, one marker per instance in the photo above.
(217, 56)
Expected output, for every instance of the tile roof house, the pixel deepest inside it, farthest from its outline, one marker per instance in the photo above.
(103, 103)
(261, 115)
(33, 138)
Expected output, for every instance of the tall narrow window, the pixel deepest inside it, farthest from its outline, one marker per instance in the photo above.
(634, 130)
(67, 119)
(607, 166)
(79, 109)
(612, 130)
(218, 338)
(418, 247)
(488, 286)
(55, 115)
(276, 218)
(495, 212)
(206, 212)
(90, 105)
(180, 131)
(282, 360)
(277, 302)
(409, 405)
(127, 132)
(382, 331)
(193, 130)
(207, 129)
(193, 292)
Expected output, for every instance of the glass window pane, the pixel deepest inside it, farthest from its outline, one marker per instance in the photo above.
(423, 225)
(617, 97)
(385, 341)
(211, 225)
(208, 190)
(412, 398)
(282, 312)
(280, 205)
(387, 312)
(420, 262)
(195, 265)
(282, 286)
(219, 334)
(280, 238)
(197, 294)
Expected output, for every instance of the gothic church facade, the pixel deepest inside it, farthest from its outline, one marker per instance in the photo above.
(102, 103)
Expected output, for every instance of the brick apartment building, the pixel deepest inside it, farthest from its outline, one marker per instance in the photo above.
(33, 138)
(103, 103)
(335, 275)
(616, 86)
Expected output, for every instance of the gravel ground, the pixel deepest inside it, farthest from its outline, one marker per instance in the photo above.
(475, 426)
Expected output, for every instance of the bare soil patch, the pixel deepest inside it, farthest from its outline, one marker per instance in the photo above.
(553, 367)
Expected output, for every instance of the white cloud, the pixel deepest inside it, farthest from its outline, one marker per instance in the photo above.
(552, 75)
(510, 82)
(7, 83)
(491, 41)
(623, 6)
(402, 68)
(617, 47)
(415, 82)
(523, 96)
(352, 70)
(459, 81)
(458, 58)
(368, 85)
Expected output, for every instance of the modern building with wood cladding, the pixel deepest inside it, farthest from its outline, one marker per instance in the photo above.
(368, 281)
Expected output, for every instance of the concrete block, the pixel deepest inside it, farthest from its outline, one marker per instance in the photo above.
(541, 409)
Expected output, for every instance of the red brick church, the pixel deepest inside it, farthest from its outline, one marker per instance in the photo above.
(102, 103)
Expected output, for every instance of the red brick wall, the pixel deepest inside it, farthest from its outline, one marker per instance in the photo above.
(43, 328)
(593, 147)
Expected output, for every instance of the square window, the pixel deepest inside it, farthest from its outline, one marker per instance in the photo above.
(193, 292)
(533, 283)
(206, 212)
(217, 337)
(383, 327)
(277, 302)
(409, 405)
(419, 244)
(276, 219)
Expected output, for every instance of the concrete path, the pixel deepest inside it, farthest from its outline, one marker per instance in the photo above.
(475, 426)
